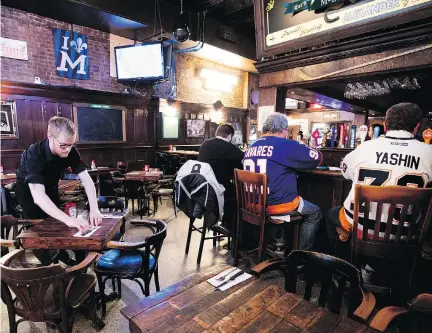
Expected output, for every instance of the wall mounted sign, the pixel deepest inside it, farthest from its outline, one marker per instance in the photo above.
(333, 115)
(12, 48)
(8, 121)
(295, 24)
(285, 29)
(71, 54)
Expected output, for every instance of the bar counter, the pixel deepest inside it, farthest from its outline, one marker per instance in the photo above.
(325, 188)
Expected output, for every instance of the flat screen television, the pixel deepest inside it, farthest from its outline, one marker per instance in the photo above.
(141, 62)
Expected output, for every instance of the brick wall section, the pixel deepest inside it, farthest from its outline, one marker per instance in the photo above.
(37, 32)
(190, 87)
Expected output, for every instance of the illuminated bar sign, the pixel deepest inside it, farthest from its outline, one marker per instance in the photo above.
(290, 22)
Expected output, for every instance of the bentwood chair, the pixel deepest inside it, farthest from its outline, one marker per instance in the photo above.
(50, 294)
(400, 238)
(108, 204)
(133, 260)
(416, 317)
(251, 192)
(136, 190)
(330, 275)
(10, 228)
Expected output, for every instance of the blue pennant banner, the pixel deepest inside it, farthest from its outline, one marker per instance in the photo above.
(71, 54)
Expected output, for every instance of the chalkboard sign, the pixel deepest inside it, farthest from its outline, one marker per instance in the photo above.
(97, 123)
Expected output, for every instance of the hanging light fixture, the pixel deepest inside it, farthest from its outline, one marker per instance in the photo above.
(181, 29)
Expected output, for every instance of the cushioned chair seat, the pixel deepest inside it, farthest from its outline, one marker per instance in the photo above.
(117, 236)
(122, 262)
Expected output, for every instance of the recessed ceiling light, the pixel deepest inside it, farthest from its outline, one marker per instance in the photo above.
(292, 92)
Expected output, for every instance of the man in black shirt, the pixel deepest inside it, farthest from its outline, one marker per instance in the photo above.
(42, 166)
(223, 157)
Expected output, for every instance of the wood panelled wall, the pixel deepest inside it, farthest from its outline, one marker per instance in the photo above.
(36, 104)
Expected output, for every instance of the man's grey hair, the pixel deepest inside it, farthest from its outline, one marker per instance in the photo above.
(275, 123)
(57, 125)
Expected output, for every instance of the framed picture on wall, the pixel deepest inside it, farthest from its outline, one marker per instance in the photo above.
(195, 128)
(8, 121)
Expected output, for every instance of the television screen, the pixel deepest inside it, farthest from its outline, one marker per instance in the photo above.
(140, 62)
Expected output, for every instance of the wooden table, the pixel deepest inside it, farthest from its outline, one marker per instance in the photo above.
(192, 306)
(7, 178)
(53, 234)
(68, 185)
(149, 176)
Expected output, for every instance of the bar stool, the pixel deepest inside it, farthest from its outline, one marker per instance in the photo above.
(252, 209)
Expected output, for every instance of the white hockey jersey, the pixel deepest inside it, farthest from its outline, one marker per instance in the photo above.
(396, 159)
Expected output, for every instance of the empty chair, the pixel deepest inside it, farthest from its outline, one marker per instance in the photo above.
(50, 294)
(9, 202)
(135, 166)
(162, 162)
(133, 260)
(332, 274)
(415, 317)
(401, 238)
(136, 190)
(165, 189)
(112, 205)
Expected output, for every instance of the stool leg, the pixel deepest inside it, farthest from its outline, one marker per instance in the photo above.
(191, 221)
(214, 239)
(203, 234)
(296, 237)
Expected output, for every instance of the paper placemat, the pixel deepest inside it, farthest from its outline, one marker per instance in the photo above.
(88, 234)
(228, 273)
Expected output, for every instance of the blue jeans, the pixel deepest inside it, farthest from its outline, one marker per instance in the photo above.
(308, 229)
(332, 221)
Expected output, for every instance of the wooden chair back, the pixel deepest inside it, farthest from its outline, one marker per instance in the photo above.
(111, 203)
(330, 275)
(31, 287)
(409, 215)
(134, 189)
(251, 193)
(135, 166)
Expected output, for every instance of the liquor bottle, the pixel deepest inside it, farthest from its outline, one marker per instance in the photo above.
(93, 165)
(333, 136)
(353, 136)
(342, 135)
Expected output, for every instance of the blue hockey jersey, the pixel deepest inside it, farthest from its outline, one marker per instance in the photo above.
(278, 158)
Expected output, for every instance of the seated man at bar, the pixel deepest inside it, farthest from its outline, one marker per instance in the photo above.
(223, 157)
(394, 159)
(41, 167)
(279, 157)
